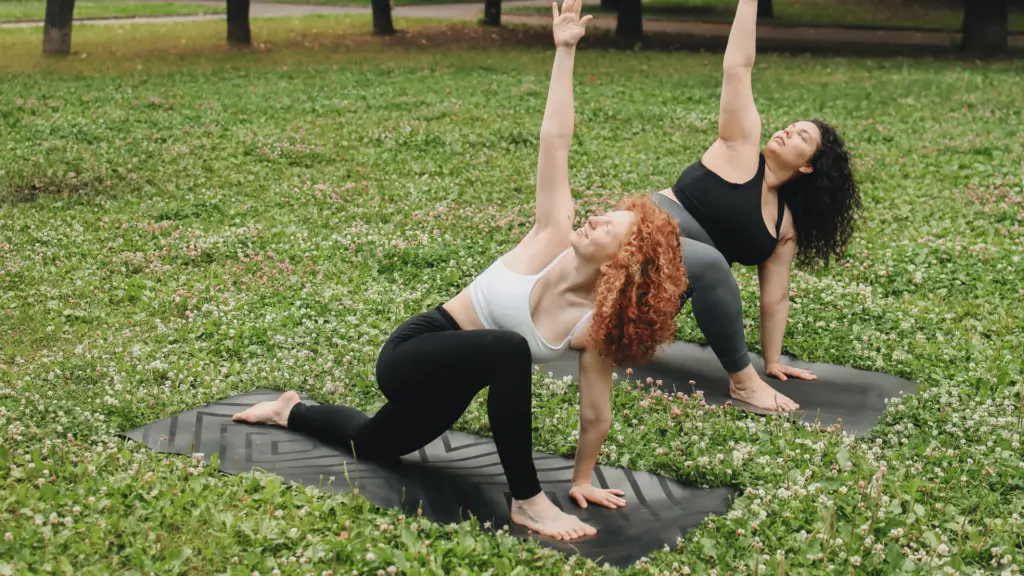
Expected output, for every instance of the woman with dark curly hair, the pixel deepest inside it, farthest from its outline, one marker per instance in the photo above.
(610, 288)
(795, 199)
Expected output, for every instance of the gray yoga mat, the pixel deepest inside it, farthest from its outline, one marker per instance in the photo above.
(854, 397)
(452, 477)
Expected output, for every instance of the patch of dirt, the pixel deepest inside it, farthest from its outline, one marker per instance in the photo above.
(21, 189)
(461, 36)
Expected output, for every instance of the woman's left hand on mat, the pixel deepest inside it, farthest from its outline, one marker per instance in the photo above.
(609, 498)
(782, 372)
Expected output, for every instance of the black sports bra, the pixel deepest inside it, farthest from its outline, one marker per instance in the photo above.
(730, 213)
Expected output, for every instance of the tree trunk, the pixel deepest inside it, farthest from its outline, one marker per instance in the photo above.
(985, 27)
(609, 4)
(631, 19)
(765, 9)
(492, 12)
(382, 24)
(57, 26)
(239, 33)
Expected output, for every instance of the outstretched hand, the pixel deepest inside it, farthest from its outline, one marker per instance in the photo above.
(568, 27)
(610, 498)
(782, 372)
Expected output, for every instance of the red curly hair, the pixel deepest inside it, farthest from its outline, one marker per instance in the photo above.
(638, 294)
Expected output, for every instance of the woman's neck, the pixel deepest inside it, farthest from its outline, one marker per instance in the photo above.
(775, 176)
(576, 277)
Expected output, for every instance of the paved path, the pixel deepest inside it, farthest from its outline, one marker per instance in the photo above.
(788, 35)
(696, 31)
(467, 11)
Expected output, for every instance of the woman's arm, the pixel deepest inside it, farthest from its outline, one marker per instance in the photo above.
(739, 124)
(555, 209)
(773, 276)
(595, 422)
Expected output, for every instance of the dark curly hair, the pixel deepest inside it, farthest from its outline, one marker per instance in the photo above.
(825, 202)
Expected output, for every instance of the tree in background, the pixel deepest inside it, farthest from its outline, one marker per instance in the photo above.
(631, 19)
(986, 27)
(57, 26)
(492, 13)
(239, 33)
(382, 24)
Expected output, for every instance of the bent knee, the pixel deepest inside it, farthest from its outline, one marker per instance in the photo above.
(508, 346)
(707, 267)
(720, 272)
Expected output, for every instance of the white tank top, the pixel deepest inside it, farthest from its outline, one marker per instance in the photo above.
(501, 299)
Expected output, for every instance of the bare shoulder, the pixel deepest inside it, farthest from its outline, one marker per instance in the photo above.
(591, 362)
(536, 250)
(736, 163)
(581, 341)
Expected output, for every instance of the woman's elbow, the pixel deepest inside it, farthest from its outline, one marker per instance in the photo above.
(742, 66)
(555, 137)
(598, 420)
(771, 302)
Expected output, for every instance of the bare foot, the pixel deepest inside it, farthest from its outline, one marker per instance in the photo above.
(272, 412)
(541, 516)
(756, 392)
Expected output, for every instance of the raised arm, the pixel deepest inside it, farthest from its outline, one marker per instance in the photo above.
(554, 200)
(739, 125)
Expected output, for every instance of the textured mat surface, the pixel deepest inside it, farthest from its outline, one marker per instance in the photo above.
(456, 475)
(856, 397)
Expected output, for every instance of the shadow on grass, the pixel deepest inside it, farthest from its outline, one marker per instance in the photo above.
(523, 35)
(28, 188)
(320, 39)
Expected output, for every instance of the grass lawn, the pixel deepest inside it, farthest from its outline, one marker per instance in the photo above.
(25, 10)
(367, 2)
(945, 15)
(180, 222)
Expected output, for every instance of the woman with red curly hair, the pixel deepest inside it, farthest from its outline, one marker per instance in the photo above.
(610, 288)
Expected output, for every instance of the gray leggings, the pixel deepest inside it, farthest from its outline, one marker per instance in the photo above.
(713, 291)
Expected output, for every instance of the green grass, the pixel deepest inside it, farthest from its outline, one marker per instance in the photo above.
(180, 222)
(28, 10)
(367, 2)
(887, 13)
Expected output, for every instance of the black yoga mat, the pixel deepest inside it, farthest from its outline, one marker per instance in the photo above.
(856, 397)
(456, 475)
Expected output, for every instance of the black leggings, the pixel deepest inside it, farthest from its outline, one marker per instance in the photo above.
(430, 370)
(713, 291)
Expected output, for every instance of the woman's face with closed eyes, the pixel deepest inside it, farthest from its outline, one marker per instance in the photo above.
(792, 148)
